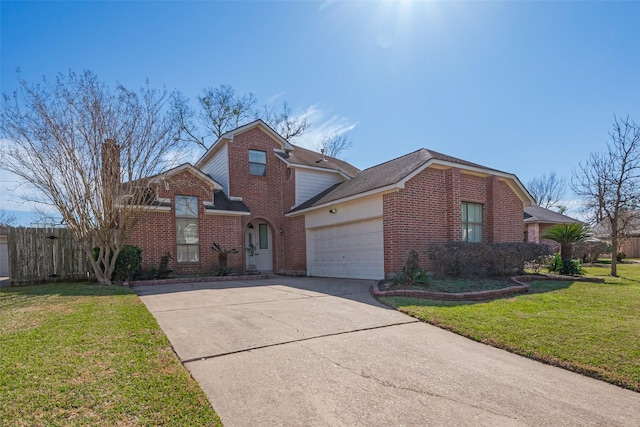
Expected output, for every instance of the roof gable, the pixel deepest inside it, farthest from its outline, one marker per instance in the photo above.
(393, 174)
(228, 137)
(533, 214)
(300, 156)
(156, 179)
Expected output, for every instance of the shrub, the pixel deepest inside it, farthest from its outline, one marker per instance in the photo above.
(128, 263)
(163, 270)
(556, 265)
(484, 259)
(620, 256)
(411, 272)
(589, 250)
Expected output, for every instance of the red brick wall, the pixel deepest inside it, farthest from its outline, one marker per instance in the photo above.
(156, 231)
(428, 210)
(415, 215)
(509, 215)
(452, 191)
(268, 197)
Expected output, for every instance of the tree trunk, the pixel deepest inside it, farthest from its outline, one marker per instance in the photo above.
(566, 253)
(614, 255)
(102, 277)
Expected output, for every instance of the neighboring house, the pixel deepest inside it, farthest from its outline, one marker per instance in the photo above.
(630, 240)
(538, 219)
(306, 213)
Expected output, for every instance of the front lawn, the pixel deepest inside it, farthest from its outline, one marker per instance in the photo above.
(591, 328)
(83, 354)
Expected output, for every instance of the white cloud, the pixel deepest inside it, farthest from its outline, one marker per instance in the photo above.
(322, 124)
(272, 99)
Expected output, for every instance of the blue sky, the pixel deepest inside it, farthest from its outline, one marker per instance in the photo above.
(524, 87)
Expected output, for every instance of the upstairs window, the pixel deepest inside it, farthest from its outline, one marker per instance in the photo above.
(257, 163)
(187, 229)
(471, 222)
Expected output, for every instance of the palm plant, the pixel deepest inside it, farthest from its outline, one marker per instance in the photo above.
(566, 235)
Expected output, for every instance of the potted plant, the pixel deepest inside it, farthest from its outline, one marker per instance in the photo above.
(222, 257)
(252, 250)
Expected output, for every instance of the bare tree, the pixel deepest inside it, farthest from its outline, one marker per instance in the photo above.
(6, 219)
(548, 191)
(220, 110)
(608, 183)
(335, 145)
(284, 122)
(73, 139)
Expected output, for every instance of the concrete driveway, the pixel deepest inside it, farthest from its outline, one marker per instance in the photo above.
(316, 352)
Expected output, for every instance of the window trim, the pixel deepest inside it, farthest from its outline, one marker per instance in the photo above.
(253, 163)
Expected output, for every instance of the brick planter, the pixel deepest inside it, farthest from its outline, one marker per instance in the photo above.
(519, 288)
(445, 296)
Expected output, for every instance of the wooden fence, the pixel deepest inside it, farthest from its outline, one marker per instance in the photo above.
(45, 254)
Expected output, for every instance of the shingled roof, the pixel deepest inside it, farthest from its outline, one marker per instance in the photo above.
(305, 157)
(538, 214)
(384, 175)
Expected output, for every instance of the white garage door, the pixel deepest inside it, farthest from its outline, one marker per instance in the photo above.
(354, 250)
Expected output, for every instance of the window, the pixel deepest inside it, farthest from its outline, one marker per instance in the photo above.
(187, 229)
(471, 222)
(264, 242)
(257, 163)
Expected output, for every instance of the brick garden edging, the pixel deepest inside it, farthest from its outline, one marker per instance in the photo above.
(518, 288)
(195, 279)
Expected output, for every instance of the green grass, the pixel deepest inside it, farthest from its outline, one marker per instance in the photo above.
(83, 354)
(591, 328)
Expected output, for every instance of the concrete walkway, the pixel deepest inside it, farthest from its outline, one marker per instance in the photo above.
(316, 352)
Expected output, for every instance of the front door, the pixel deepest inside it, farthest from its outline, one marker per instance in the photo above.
(258, 243)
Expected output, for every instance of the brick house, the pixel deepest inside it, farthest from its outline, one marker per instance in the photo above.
(305, 213)
(538, 219)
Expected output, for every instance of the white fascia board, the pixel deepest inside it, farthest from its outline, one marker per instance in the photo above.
(226, 213)
(299, 166)
(145, 207)
(381, 190)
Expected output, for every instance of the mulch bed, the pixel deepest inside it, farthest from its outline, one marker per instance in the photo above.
(512, 286)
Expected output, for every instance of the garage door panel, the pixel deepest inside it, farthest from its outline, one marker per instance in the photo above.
(354, 250)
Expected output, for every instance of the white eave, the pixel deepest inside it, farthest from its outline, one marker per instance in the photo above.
(210, 211)
(150, 208)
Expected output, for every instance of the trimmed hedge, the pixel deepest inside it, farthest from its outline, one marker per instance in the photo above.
(464, 259)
